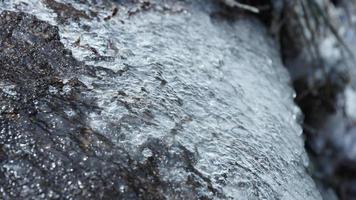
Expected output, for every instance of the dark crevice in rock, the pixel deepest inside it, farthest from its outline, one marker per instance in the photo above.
(320, 102)
(65, 11)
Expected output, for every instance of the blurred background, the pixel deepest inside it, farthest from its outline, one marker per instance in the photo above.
(318, 45)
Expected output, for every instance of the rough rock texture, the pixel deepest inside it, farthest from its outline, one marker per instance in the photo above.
(186, 104)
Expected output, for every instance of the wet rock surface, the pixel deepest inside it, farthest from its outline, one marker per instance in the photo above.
(171, 102)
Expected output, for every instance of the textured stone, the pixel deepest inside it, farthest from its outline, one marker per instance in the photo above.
(163, 101)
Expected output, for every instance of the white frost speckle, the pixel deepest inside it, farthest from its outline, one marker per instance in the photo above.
(350, 98)
(147, 153)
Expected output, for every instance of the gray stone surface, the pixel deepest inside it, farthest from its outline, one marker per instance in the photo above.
(159, 100)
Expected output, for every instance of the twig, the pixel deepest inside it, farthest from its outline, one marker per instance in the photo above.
(332, 28)
(233, 3)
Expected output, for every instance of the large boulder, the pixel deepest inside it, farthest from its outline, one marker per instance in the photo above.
(144, 100)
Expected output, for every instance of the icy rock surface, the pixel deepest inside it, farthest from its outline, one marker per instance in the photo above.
(145, 100)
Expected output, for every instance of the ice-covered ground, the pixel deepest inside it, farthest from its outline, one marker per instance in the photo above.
(201, 102)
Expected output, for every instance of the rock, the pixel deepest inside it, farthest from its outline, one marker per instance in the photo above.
(159, 101)
(65, 11)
